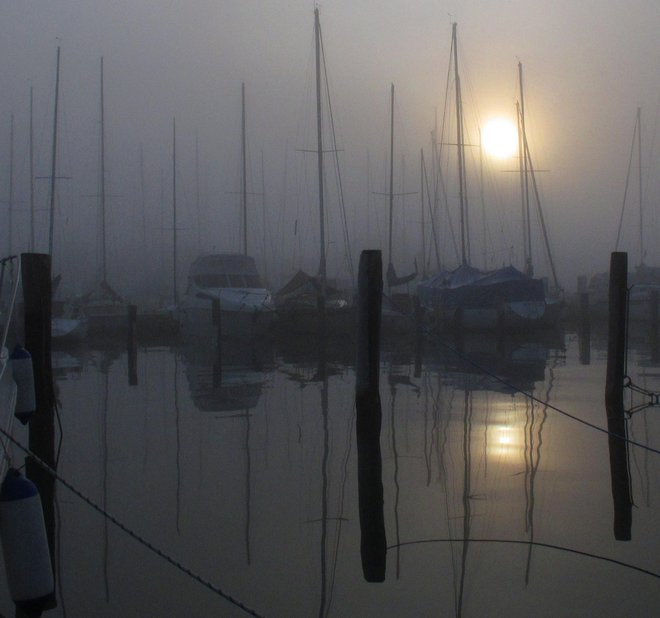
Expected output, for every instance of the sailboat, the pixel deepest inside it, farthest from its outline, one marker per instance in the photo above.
(645, 279)
(307, 304)
(535, 312)
(106, 310)
(393, 320)
(68, 322)
(228, 281)
(467, 297)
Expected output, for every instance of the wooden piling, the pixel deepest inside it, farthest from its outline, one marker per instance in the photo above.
(131, 345)
(373, 545)
(36, 279)
(616, 344)
(616, 422)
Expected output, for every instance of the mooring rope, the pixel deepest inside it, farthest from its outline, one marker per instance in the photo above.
(124, 528)
(654, 398)
(532, 397)
(571, 550)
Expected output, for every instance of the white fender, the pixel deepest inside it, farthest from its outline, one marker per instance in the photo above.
(23, 372)
(24, 541)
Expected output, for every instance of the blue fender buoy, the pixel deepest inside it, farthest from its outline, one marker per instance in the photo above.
(23, 372)
(24, 543)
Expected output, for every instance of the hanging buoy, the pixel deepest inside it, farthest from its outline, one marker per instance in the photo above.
(26, 401)
(24, 543)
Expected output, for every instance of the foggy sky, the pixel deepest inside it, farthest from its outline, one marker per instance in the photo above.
(588, 65)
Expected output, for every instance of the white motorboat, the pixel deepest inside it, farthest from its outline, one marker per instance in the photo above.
(231, 282)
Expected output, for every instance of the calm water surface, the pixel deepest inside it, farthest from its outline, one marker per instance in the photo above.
(246, 475)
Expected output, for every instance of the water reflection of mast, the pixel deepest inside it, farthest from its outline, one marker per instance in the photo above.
(534, 460)
(105, 370)
(467, 511)
(248, 472)
(178, 444)
(397, 489)
(323, 376)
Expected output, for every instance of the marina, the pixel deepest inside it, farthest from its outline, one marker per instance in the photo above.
(495, 470)
(277, 342)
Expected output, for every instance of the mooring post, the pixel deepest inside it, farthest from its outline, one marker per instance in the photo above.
(216, 318)
(616, 343)
(616, 422)
(36, 278)
(373, 546)
(131, 345)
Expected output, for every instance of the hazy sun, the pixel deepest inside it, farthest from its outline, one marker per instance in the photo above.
(500, 138)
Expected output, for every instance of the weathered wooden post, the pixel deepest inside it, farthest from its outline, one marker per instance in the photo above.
(36, 278)
(373, 546)
(616, 422)
(131, 345)
(216, 318)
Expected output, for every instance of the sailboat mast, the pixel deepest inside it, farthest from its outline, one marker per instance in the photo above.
(422, 226)
(641, 201)
(484, 226)
(54, 158)
(244, 172)
(389, 243)
(524, 180)
(319, 142)
(103, 247)
(31, 155)
(11, 180)
(459, 144)
(174, 260)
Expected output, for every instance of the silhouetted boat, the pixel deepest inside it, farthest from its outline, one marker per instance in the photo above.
(472, 299)
(308, 304)
(105, 309)
(231, 280)
(643, 280)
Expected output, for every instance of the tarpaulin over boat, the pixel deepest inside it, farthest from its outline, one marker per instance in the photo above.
(469, 287)
(301, 284)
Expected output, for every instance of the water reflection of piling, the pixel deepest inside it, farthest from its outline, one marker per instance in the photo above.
(369, 415)
(131, 345)
(36, 277)
(419, 335)
(616, 422)
(216, 316)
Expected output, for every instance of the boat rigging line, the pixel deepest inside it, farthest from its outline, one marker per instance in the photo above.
(134, 535)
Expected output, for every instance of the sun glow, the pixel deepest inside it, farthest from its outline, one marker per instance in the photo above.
(500, 138)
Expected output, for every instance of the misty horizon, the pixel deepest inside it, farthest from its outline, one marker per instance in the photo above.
(586, 73)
